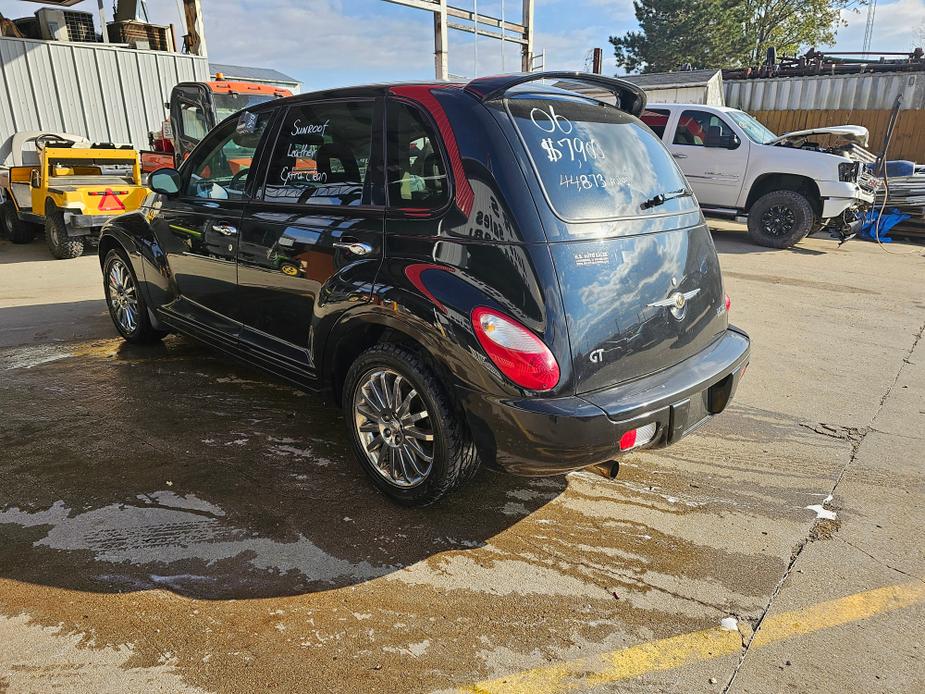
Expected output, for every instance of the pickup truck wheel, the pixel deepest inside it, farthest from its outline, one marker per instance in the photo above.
(16, 230)
(404, 430)
(126, 305)
(780, 219)
(62, 246)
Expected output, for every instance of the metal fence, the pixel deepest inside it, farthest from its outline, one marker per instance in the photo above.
(106, 93)
(861, 92)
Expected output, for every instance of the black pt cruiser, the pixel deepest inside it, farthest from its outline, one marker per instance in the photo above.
(511, 272)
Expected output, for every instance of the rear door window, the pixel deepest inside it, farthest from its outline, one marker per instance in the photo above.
(416, 168)
(322, 155)
(656, 119)
(594, 161)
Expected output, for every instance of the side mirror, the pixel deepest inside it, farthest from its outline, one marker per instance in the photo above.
(733, 142)
(165, 181)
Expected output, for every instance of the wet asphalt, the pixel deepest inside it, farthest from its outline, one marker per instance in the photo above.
(172, 520)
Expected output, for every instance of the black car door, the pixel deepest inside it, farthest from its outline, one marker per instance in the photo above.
(311, 243)
(198, 229)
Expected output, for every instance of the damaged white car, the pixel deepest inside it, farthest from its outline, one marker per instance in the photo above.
(788, 185)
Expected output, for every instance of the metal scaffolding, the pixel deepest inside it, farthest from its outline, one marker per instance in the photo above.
(480, 25)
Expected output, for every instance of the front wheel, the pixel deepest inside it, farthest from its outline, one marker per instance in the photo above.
(780, 219)
(404, 431)
(126, 305)
(62, 246)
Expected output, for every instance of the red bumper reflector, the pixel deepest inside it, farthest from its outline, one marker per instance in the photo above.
(628, 440)
(728, 303)
(638, 437)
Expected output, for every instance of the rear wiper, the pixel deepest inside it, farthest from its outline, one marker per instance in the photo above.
(662, 198)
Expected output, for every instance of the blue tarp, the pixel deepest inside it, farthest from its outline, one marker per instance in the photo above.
(888, 220)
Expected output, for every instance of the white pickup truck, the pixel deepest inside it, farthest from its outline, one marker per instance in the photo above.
(788, 186)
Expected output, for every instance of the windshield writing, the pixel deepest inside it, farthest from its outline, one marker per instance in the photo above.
(595, 161)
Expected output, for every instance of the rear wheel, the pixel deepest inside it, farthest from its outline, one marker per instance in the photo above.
(403, 428)
(62, 246)
(780, 219)
(126, 305)
(16, 230)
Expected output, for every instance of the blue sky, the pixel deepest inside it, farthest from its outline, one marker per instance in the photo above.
(327, 43)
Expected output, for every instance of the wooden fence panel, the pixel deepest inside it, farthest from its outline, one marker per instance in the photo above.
(908, 137)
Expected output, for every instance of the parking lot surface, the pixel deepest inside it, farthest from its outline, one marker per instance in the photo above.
(172, 521)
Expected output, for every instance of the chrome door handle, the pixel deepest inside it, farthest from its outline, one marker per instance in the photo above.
(678, 155)
(225, 229)
(354, 247)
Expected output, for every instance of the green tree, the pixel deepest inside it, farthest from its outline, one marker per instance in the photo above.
(704, 33)
(791, 25)
(725, 33)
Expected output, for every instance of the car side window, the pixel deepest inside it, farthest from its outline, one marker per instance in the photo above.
(221, 167)
(702, 129)
(416, 171)
(322, 155)
(656, 119)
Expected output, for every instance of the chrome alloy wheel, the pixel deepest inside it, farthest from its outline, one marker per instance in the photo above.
(394, 427)
(122, 298)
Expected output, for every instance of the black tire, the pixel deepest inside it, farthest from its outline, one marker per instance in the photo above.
(62, 246)
(16, 230)
(780, 219)
(140, 331)
(454, 456)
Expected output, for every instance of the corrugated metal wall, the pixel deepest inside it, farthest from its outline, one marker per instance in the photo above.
(786, 104)
(869, 91)
(105, 93)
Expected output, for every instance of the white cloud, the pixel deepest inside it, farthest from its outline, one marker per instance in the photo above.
(899, 26)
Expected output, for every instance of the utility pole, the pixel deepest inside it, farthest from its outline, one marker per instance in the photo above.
(441, 43)
(526, 59)
(104, 20)
(479, 24)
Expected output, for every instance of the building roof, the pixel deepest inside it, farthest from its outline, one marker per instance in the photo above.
(665, 80)
(259, 74)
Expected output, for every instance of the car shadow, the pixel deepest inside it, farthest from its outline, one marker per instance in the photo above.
(127, 469)
(34, 251)
(72, 320)
(728, 242)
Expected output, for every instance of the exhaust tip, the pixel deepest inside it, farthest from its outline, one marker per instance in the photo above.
(610, 469)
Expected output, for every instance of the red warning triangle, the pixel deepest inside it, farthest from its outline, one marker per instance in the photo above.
(110, 202)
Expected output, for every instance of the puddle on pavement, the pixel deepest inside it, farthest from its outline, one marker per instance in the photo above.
(138, 472)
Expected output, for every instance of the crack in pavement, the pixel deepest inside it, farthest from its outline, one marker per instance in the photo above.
(880, 561)
(855, 437)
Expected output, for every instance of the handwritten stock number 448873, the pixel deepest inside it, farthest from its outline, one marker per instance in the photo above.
(590, 181)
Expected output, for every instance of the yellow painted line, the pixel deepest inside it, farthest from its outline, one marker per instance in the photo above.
(675, 651)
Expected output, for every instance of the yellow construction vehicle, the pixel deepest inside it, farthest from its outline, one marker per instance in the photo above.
(69, 186)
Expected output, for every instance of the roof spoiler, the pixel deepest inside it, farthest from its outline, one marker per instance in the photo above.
(630, 98)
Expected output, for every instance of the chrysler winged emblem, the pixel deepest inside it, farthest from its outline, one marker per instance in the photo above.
(677, 302)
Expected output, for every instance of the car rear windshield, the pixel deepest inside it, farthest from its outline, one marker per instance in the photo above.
(596, 162)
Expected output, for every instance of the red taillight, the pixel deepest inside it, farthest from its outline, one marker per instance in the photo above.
(728, 303)
(517, 352)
